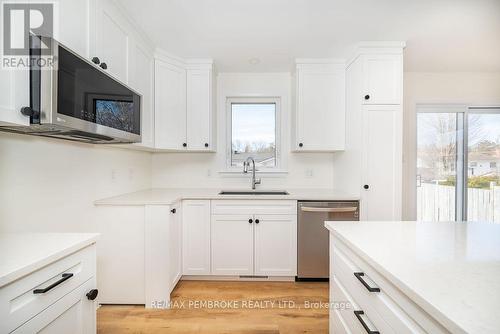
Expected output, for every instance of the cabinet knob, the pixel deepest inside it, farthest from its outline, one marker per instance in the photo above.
(27, 111)
(206, 144)
(96, 60)
(92, 294)
(184, 144)
(257, 221)
(104, 66)
(250, 221)
(367, 97)
(366, 187)
(173, 210)
(301, 144)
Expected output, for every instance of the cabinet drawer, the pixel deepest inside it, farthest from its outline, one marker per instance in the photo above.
(19, 303)
(388, 306)
(73, 313)
(350, 323)
(254, 207)
(376, 301)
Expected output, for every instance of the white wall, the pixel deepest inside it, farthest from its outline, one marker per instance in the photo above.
(203, 169)
(50, 185)
(469, 88)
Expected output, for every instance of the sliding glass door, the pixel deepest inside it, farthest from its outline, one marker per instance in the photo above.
(458, 163)
(483, 165)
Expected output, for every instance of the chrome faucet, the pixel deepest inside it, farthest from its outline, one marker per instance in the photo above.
(246, 164)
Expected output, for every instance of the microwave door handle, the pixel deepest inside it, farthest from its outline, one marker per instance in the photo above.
(318, 209)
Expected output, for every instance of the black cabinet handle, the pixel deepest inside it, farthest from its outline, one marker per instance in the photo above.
(104, 66)
(366, 187)
(359, 276)
(301, 144)
(367, 97)
(358, 315)
(173, 210)
(65, 277)
(250, 221)
(206, 144)
(257, 221)
(92, 294)
(96, 60)
(184, 144)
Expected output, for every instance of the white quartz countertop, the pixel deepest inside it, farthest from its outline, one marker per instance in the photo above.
(23, 253)
(451, 270)
(169, 196)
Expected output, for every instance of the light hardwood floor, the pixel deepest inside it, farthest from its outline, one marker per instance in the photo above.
(288, 314)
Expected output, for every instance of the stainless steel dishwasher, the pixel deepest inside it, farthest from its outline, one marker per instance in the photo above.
(313, 237)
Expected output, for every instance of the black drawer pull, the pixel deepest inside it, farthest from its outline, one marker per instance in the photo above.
(358, 315)
(65, 277)
(369, 288)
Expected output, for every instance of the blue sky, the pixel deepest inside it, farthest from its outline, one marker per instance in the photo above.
(254, 122)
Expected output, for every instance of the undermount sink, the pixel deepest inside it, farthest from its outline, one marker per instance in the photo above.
(254, 192)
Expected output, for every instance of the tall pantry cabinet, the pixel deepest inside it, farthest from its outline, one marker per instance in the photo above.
(371, 165)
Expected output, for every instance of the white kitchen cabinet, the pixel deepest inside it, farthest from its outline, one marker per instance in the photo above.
(276, 245)
(254, 237)
(184, 105)
(382, 162)
(196, 237)
(199, 108)
(319, 120)
(141, 79)
(170, 106)
(73, 313)
(76, 25)
(383, 79)
(112, 36)
(232, 245)
(371, 165)
(175, 244)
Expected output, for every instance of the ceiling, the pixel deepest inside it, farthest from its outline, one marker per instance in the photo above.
(441, 35)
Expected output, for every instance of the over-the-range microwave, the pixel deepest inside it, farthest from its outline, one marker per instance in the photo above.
(72, 98)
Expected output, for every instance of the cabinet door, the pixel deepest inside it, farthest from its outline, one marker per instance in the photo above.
(112, 39)
(170, 106)
(276, 245)
(141, 79)
(383, 79)
(199, 108)
(320, 114)
(74, 25)
(196, 237)
(232, 244)
(73, 313)
(175, 240)
(382, 163)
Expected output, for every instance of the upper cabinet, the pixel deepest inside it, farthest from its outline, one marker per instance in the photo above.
(170, 105)
(319, 120)
(184, 105)
(383, 79)
(112, 39)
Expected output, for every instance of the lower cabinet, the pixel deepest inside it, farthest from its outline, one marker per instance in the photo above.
(256, 245)
(275, 252)
(74, 313)
(232, 245)
(196, 237)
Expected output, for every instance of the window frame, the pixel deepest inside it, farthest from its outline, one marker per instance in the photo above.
(229, 129)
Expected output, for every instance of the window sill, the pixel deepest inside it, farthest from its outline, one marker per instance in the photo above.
(267, 173)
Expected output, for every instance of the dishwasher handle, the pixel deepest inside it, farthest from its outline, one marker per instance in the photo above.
(323, 209)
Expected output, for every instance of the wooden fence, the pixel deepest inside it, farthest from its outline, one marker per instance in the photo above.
(437, 203)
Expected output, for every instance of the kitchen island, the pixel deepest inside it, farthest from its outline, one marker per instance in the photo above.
(407, 277)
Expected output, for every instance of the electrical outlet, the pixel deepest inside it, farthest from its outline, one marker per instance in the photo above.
(113, 175)
(309, 172)
(209, 172)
